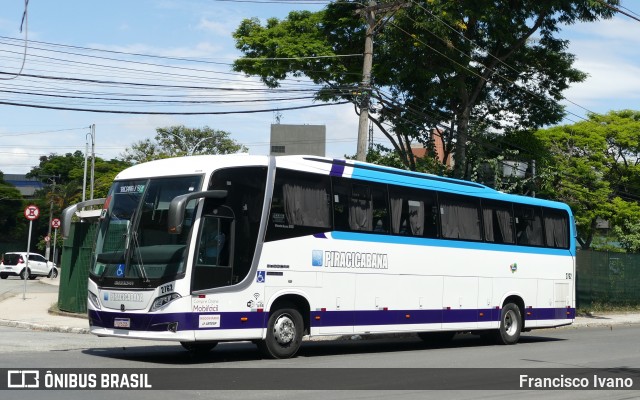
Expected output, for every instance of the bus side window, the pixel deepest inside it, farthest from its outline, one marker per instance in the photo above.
(213, 268)
(239, 214)
(498, 222)
(528, 226)
(300, 205)
(460, 217)
(360, 206)
(556, 227)
(413, 212)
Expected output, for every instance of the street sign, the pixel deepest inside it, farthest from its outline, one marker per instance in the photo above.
(32, 212)
(47, 238)
(55, 223)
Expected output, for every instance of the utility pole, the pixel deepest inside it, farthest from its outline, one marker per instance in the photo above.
(91, 133)
(369, 14)
(47, 251)
(93, 157)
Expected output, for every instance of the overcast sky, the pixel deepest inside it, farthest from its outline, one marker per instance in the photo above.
(201, 29)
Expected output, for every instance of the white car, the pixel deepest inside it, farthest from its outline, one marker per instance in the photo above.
(15, 264)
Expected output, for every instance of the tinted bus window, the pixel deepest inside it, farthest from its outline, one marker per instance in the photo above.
(459, 217)
(413, 212)
(360, 206)
(528, 221)
(556, 227)
(300, 205)
(497, 220)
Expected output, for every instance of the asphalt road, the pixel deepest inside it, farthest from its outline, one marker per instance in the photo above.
(561, 349)
(14, 284)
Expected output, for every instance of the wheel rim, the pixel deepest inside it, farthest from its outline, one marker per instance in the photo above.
(24, 274)
(510, 323)
(284, 329)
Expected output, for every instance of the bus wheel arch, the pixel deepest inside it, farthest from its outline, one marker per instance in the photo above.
(287, 324)
(511, 320)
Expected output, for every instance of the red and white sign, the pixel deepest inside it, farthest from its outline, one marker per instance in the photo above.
(55, 223)
(32, 212)
(47, 238)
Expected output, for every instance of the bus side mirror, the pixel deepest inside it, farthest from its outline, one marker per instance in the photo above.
(178, 206)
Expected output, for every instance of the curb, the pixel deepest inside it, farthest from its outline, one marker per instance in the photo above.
(42, 327)
(54, 311)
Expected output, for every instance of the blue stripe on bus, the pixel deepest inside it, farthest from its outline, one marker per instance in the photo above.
(458, 244)
(255, 320)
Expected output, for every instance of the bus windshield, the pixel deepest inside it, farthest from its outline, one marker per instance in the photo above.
(133, 246)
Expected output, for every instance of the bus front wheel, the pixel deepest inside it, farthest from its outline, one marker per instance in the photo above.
(510, 324)
(284, 333)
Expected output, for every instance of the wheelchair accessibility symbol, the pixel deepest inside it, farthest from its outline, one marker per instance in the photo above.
(120, 271)
(260, 277)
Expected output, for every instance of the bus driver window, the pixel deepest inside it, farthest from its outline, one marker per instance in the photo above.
(212, 242)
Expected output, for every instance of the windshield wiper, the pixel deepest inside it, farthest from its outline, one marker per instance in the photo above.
(131, 244)
(140, 263)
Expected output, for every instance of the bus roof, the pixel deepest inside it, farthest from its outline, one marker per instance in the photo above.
(206, 164)
(395, 176)
(192, 165)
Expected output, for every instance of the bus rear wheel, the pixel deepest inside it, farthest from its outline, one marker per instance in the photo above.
(510, 324)
(284, 333)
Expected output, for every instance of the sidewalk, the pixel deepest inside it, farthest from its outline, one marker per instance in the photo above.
(34, 313)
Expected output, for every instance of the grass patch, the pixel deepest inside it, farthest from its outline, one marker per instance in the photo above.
(606, 307)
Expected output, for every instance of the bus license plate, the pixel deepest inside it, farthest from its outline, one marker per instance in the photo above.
(122, 323)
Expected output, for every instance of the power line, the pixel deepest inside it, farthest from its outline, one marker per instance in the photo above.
(170, 113)
(25, 21)
(616, 9)
(493, 71)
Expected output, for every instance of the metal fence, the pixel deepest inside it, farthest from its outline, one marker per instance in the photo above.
(74, 271)
(606, 278)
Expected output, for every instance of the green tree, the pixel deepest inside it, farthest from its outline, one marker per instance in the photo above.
(64, 167)
(68, 172)
(462, 66)
(176, 141)
(594, 167)
(10, 210)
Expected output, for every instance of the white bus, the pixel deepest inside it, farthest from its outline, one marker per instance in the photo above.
(205, 249)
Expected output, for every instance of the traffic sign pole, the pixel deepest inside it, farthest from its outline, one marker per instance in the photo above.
(55, 224)
(26, 277)
(31, 213)
(55, 237)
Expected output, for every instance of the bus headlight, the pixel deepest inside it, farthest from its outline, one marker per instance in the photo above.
(162, 301)
(93, 298)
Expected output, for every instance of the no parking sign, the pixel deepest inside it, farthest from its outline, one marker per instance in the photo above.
(32, 212)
